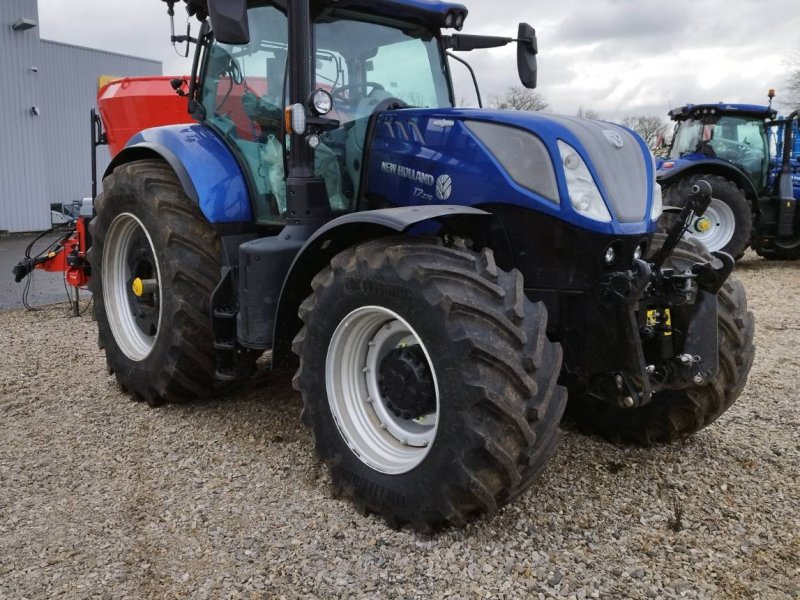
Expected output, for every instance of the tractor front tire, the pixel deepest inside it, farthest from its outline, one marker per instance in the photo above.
(675, 414)
(727, 225)
(155, 261)
(428, 381)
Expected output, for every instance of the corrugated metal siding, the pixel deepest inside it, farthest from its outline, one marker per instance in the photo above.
(71, 74)
(23, 203)
(47, 159)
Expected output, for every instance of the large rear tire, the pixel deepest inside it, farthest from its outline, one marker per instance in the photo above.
(676, 414)
(155, 262)
(428, 381)
(785, 251)
(727, 225)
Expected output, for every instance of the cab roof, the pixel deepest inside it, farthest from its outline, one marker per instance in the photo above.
(428, 13)
(745, 110)
(431, 13)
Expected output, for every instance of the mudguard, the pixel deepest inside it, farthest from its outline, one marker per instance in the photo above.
(206, 168)
(685, 167)
(333, 238)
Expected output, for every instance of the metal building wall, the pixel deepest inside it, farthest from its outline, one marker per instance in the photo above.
(23, 204)
(46, 158)
(71, 74)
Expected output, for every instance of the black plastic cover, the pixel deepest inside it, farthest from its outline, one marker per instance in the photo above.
(229, 21)
(527, 49)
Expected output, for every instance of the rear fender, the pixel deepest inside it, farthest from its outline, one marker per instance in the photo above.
(333, 238)
(683, 169)
(206, 168)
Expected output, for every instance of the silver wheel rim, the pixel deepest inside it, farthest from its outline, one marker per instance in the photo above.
(715, 229)
(126, 230)
(379, 438)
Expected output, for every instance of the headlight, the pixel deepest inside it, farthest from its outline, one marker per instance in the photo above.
(658, 202)
(658, 197)
(322, 101)
(583, 191)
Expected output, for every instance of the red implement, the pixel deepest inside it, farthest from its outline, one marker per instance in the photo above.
(129, 105)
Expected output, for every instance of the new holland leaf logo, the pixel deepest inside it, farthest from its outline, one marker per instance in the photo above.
(444, 187)
(614, 138)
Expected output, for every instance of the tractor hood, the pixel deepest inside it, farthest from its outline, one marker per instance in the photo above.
(592, 174)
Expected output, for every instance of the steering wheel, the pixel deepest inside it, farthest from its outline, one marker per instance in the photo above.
(338, 93)
(390, 104)
(732, 149)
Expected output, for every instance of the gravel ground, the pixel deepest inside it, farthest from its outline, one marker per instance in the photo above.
(101, 497)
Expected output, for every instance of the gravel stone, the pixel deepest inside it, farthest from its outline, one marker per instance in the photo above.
(102, 497)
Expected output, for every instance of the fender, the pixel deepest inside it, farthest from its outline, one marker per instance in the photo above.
(714, 166)
(335, 237)
(206, 168)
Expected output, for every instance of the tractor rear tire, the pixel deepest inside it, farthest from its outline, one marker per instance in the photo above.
(675, 414)
(782, 252)
(158, 344)
(730, 214)
(483, 362)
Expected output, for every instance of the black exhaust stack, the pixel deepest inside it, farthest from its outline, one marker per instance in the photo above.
(788, 210)
(306, 195)
(264, 263)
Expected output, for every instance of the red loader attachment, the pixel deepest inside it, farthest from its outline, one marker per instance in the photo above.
(126, 107)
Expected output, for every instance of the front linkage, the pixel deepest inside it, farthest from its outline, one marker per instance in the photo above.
(672, 311)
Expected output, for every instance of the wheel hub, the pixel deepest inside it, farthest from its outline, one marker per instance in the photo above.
(702, 225)
(143, 286)
(131, 286)
(716, 228)
(406, 383)
(382, 390)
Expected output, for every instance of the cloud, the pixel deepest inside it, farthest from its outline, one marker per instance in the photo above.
(618, 57)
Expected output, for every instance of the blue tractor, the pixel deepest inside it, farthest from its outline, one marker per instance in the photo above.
(440, 278)
(750, 157)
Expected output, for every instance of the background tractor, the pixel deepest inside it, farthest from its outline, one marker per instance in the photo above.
(750, 157)
(439, 277)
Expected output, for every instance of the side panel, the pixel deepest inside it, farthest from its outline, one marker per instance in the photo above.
(207, 168)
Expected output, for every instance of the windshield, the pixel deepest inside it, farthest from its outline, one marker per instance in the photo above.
(370, 61)
(736, 139)
(366, 65)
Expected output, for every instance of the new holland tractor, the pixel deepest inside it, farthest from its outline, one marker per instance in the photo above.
(440, 278)
(750, 158)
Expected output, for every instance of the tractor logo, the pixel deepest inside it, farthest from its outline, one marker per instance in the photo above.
(444, 187)
(614, 138)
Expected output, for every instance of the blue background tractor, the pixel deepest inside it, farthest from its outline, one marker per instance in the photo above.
(439, 277)
(750, 157)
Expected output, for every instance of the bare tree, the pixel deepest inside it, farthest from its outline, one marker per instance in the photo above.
(652, 129)
(587, 113)
(793, 84)
(520, 98)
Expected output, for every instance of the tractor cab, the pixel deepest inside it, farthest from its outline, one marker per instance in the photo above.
(363, 63)
(734, 133)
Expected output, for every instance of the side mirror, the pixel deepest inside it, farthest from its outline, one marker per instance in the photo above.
(527, 49)
(229, 21)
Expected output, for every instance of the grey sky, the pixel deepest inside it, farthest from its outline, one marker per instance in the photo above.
(618, 57)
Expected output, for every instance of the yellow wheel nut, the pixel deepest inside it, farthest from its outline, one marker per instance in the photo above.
(703, 225)
(138, 287)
